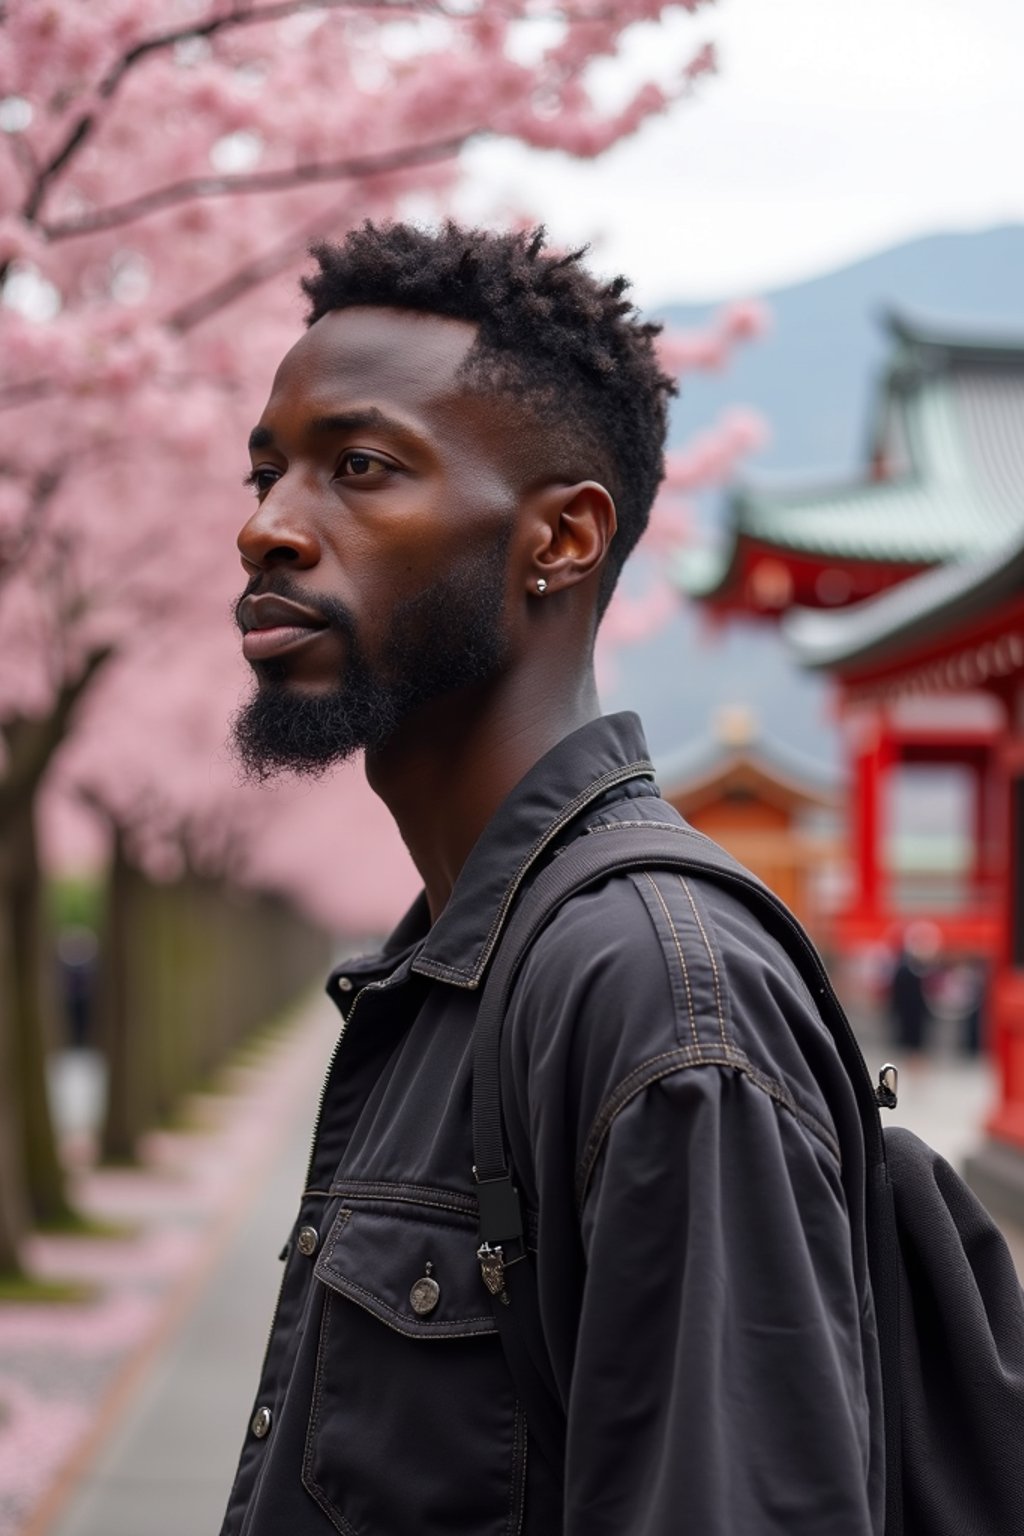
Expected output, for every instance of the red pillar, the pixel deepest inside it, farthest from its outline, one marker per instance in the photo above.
(1007, 1119)
(981, 870)
(873, 759)
(996, 1170)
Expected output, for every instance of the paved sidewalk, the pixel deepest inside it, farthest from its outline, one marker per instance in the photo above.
(168, 1468)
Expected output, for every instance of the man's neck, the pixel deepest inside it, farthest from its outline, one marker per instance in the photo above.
(448, 770)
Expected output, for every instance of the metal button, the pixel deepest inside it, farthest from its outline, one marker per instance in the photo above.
(425, 1294)
(260, 1425)
(344, 984)
(308, 1241)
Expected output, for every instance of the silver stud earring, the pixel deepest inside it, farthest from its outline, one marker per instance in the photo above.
(542, 585)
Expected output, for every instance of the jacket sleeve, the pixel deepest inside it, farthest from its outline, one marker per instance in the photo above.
(708, 1321)
(718, 1385)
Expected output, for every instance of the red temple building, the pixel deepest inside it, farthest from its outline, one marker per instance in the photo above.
(951, 642)
(942, 483)
(943, 487)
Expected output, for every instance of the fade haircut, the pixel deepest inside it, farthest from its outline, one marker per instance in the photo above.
(570, 349)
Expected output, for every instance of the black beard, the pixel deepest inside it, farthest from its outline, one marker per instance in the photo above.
(449, 636)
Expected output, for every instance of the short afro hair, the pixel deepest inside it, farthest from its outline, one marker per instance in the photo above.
(569, 348)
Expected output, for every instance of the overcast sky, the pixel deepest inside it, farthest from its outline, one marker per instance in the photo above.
(835, 128)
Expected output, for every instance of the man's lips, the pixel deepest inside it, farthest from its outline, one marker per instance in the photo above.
(273, 626)
(261, 644)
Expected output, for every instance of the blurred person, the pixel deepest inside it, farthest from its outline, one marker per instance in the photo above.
(77, 956)
(974, 980)
(909, 1011)
(452, 466)
(961, 996)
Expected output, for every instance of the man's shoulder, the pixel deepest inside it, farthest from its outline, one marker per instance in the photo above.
(658, 971)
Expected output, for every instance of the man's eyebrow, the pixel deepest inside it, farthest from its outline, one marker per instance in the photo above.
(357, 421)
(343, 421)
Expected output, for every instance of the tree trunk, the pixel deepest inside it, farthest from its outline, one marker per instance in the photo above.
(188, 970)
(121, 1123)
(31, 1179)
(13, 1205)
(182, 994)
(132, 975)
(34, 1028)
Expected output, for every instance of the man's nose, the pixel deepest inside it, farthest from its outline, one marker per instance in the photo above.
(278, 534)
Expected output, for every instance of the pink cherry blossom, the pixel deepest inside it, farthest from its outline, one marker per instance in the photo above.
(710, 347)
(711, 457)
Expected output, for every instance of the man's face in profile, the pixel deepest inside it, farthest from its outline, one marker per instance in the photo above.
(378, 555)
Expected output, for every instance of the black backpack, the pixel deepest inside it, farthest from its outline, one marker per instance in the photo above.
(949, 1306)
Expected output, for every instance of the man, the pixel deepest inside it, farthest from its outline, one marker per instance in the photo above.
(452, 466)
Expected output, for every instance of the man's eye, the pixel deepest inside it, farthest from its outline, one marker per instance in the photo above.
(357, 463)
(260, 480)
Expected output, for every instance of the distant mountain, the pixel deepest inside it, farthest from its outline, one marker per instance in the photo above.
(813, 378)
(813, 375)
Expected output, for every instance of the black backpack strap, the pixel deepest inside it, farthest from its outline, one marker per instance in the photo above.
(504, 1260)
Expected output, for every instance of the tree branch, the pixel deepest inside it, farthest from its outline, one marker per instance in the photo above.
(241, 15)
(256, 181)
(47, 483)
(12, 395)
(23, 153)
(197, 309)
(31, 743)
(238, 283)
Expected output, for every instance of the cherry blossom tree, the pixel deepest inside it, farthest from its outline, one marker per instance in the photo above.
(163, 166)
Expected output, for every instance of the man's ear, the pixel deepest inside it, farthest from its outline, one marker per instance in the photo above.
(571, 528)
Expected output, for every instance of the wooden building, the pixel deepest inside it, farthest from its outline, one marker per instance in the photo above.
(775, 812)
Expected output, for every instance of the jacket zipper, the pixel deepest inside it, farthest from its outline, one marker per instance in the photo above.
(370, 986)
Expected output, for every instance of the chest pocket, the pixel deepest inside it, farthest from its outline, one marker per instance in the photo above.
(414, 1428)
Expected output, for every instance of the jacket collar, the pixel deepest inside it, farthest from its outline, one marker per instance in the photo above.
(568, 779)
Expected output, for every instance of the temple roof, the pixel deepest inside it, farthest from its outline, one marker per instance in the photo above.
(736, 743)
(947, 477)
(911, 614)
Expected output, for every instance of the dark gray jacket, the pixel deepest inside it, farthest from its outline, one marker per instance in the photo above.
(681, 1128)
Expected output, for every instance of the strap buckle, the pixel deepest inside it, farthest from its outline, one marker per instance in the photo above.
(501, 1225)
(492, 1268)
(886, 1093)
